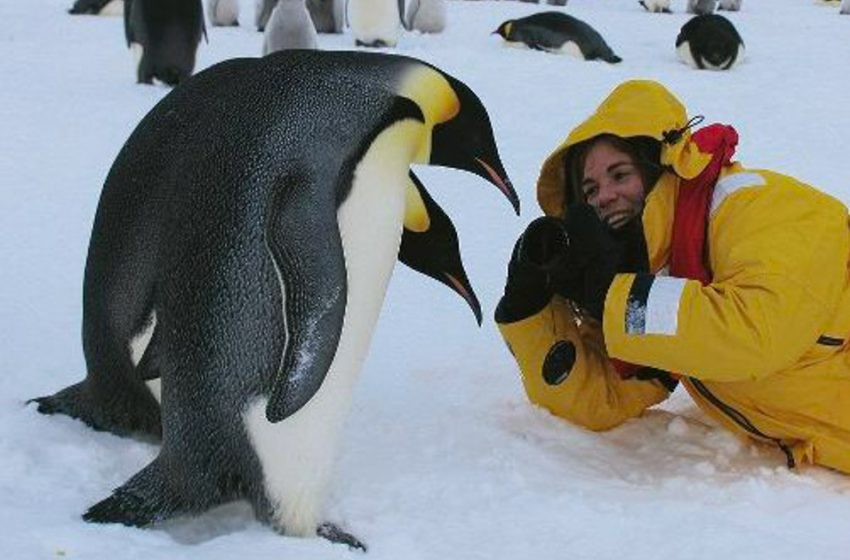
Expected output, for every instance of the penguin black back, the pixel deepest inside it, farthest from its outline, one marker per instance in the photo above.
(552, 31)
(709, 41)
(168, 33)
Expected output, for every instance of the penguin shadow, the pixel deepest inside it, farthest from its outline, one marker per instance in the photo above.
(234, 517)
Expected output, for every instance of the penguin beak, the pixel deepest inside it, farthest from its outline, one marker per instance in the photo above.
(502, 183)
(464, 289)
(478, 154)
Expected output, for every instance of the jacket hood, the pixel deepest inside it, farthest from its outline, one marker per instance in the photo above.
(634, 108)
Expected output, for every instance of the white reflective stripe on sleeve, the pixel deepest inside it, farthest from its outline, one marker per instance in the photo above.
(662, 305)
(731, 184)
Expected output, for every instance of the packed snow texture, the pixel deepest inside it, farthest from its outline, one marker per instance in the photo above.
(442, 456)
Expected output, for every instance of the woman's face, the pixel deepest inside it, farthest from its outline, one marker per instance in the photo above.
(612, 184)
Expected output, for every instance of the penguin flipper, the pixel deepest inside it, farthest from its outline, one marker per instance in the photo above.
(143, 500)
(411, 13)
(304, 242)
(429, 244)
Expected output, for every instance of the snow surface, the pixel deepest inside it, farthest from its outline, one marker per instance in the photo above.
(442, 457)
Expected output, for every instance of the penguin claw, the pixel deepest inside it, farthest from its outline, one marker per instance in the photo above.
(336, 535)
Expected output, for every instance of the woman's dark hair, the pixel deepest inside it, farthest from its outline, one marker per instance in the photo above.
(644, 151)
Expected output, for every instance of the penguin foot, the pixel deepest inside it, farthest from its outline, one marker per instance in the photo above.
(141, 501)
(137, 414)
(376, 44)
(334, 534)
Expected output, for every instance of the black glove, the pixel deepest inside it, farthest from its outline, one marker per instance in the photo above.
(538, 253)
(596, 254)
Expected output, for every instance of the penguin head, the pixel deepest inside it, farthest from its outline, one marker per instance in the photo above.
(504, 30)
(429, 244)
(465, 141)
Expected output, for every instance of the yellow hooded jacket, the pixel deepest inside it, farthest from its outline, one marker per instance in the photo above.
(763, 348)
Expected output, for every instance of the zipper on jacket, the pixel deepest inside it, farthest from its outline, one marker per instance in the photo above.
(741, 420)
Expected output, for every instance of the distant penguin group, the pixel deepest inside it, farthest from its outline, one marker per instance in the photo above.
(242, 256)
(163, 35)
(557, 32)
(709, 42)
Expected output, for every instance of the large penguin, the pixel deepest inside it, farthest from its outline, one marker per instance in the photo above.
(164, 35)
(557, 32)
(243, 255)
(223, 13)
(709, 42)
(290, 27)
(376, 23)
(98, 7)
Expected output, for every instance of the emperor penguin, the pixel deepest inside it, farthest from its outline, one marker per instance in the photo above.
(557, 32)
(290, 27)
(709, 42)
(223, 13)
(328, 15)
(98, 7)
(701, 6)
(656, 6)
(845, 7)
(426, 16)
(375, 23)
(164, 37)
(729, 5)
(243, 255)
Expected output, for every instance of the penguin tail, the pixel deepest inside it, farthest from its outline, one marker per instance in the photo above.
(143, 500)
(121, 412)
(612, 58)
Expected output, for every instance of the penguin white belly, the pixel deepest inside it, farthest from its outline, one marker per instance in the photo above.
(137, 346)
(114, 8)
(684, 53)
(375, 20)
(137, 51)
(226, 12)
(297, 454)
(431, 16)
(571, 48)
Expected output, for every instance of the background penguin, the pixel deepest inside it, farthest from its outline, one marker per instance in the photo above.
(845, 7)
(375, 23)
(656, 6)
(164, 36)
(290, 27)
(557, 32)
(223, 13)
(429, 244)
(262, 13)
(98, 7)
(709, 42)
(328, 15)
(243, 256)
(729, 5)
(701, 6)
(427, 16)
